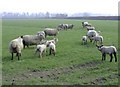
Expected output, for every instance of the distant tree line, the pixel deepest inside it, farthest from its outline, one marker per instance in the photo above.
(40, 15)
(33, 15)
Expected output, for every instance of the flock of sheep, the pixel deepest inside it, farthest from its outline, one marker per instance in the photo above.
(95, 36)
(16, 45)
(39, 39)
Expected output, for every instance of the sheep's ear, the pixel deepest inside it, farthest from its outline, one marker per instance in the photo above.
(101, 45)
(96, 45)
(21, 36)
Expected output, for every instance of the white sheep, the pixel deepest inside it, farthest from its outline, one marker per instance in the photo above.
(84, 40)
(108, 50)
(92, 33)
(32, 40)
(15, 46)
(97, 39)
(41, 49)
(52, 48)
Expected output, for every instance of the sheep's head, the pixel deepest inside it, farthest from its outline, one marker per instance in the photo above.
(99, 47)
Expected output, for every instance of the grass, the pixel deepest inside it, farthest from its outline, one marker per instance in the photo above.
(70, 52)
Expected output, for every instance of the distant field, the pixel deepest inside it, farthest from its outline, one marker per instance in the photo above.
(74, 63)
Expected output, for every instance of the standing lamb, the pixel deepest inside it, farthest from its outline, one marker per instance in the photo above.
(107, 50)
(52, 48)
(15, 46)
(97, 39)
(51, 32)
(41, 49)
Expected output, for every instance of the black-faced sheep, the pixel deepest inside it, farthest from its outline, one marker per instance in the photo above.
(51, 32)
(107, 50)
(32, 40)
(15, 46)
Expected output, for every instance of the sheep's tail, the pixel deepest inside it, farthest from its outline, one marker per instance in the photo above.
(115, 50)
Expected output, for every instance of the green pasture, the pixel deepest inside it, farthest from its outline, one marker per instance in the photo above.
(73, 64)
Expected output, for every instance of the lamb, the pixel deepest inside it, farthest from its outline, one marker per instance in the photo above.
(92, 33)
(107, 50)
(16, 46)
(51, 32)
(97, 39)
(52, 48)
(32, 39)
(41, 49)
(84, 40)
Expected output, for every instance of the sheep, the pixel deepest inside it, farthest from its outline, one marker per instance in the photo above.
(55, 40)
(92, 33)
(97, 38)
(41, 33)
(32, 39)
(90, 28)
(16, 46)
(50, 32)
(40, 48)
(84, 24)
(107, 50)
(52, 48)
(84, 40)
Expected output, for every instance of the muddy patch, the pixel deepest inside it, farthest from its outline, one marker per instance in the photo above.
(53, 74)
(102, 80)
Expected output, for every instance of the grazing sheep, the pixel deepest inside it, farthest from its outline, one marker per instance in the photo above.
(65, 26)
(41, 49)
(52, 48)
(92, 33)
(70, 26)
(108, 50)
(97, 39)
(90, 28)
(51, 32)
(15, 46)
(32, 39)
(84, 40)
(84, 24)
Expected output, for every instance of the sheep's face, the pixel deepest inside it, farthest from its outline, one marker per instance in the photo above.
(99, 47)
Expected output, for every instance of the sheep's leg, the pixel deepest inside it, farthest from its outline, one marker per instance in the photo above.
(40, 55)
(12, 57)
(50, 51)
(111, 57)
(103, 56)
(18, 56)
(115, 56)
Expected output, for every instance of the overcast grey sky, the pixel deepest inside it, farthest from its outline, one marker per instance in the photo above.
(60, 6)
